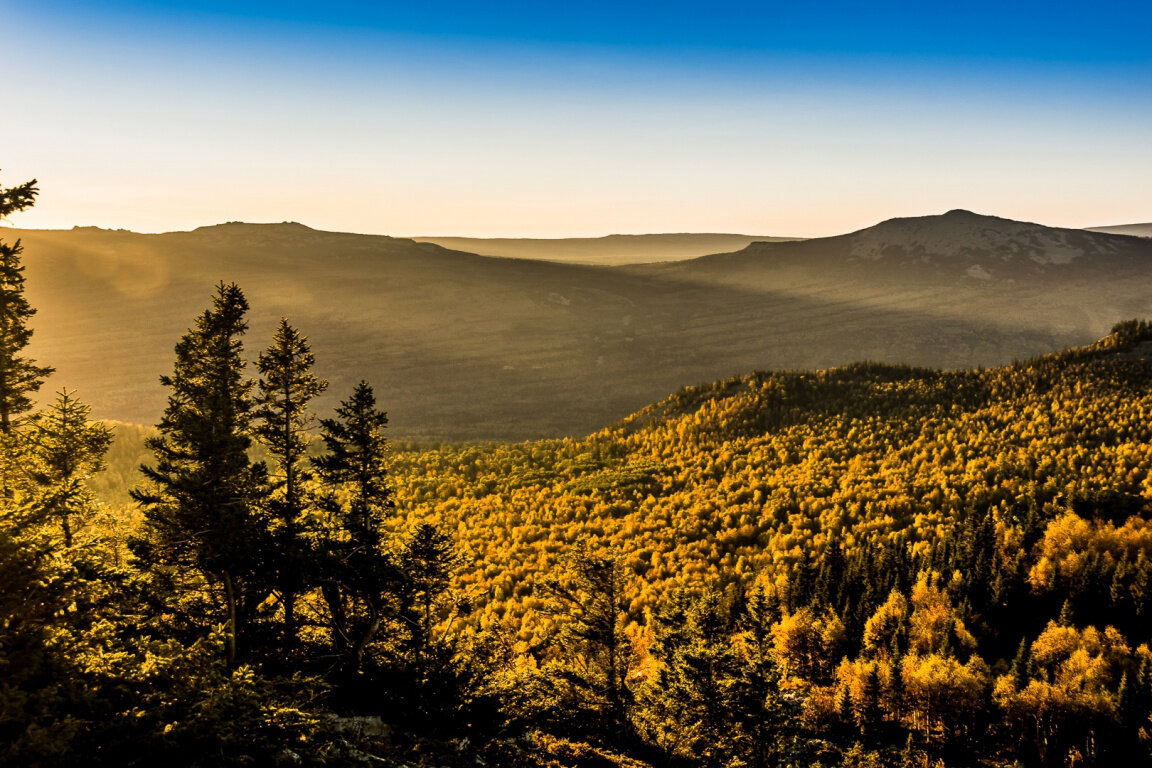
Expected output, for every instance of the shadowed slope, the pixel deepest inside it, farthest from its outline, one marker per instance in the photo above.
(461, 346)
(960, 265)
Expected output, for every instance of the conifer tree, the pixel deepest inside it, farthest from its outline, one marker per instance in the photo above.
(34, 595)
(356, 460)
(759, 708)
(67, 448)
(201, 503)
(868, 711)
(702, 674)
(359, 576)
(286, 387)
(426, 563)
(38, 589)
(593, 598)
(1020, 664)
(19, 375)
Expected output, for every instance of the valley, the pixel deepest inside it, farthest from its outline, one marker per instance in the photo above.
(470, 347)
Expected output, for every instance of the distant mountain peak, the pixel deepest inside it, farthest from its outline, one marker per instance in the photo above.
(973, 239)
(283, 225)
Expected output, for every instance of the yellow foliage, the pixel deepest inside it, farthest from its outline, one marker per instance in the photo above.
(885, 624)
(806, 645)
(941, 690)
(1070, 541)
(934, 623)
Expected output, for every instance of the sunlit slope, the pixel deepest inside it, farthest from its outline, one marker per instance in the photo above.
(462, 346)
(963, 267)
(610, 250)
(747, 477)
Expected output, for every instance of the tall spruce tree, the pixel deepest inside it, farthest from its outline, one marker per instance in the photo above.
(201, 504)
(759, 706)
(592, 599)
(36, 590)
(287, 385)
(359, 575)
(19, 375)
(701, 681)
(426, 562)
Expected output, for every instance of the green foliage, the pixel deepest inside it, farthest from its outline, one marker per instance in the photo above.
(20, 376)
(34, 727)
(784, 568)
(65, 450)
(204, 532)
(699, 679)
(591, 599)
(286, 387)
(358, 574)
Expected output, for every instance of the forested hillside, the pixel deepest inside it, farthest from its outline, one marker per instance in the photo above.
(941, 566)
(864, 566)
(938, 560)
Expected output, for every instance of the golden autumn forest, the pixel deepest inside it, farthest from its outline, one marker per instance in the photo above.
(871, 565)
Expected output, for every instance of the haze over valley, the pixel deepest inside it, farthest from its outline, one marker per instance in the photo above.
(607, 250)
(470, 347)
(575, 385)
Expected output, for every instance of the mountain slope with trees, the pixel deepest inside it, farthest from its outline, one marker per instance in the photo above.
(872, 565)
(471, 347)
(925, 560)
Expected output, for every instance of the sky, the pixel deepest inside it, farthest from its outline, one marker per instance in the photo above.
(540, 119)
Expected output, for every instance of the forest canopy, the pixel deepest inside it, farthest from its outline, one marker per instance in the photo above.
(867, 566)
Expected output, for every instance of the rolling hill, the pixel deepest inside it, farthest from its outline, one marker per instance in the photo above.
(468, 347)
(960, 266)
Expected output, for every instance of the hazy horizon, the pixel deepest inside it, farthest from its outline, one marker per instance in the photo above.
(514, 120)
(436, 236)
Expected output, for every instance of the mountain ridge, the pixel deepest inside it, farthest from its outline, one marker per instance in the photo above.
(469, 347)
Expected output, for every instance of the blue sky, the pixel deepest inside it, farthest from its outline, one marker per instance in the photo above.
(555, 119)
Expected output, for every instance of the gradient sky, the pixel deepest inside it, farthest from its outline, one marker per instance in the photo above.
(548, 119)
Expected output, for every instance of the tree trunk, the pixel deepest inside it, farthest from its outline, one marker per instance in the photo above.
(338, 629)
(230, 599)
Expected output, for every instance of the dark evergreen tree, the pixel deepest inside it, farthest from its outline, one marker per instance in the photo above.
(830, 575)
(359, 578)
(592, 598)
(19, 375)
(700, 681)
(868, 711)
(286, 387)
(1021, 664)
(204, 531)
(1142, 595)
(426, 562)
(759, 709)
(32, 598)
(800, 582)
